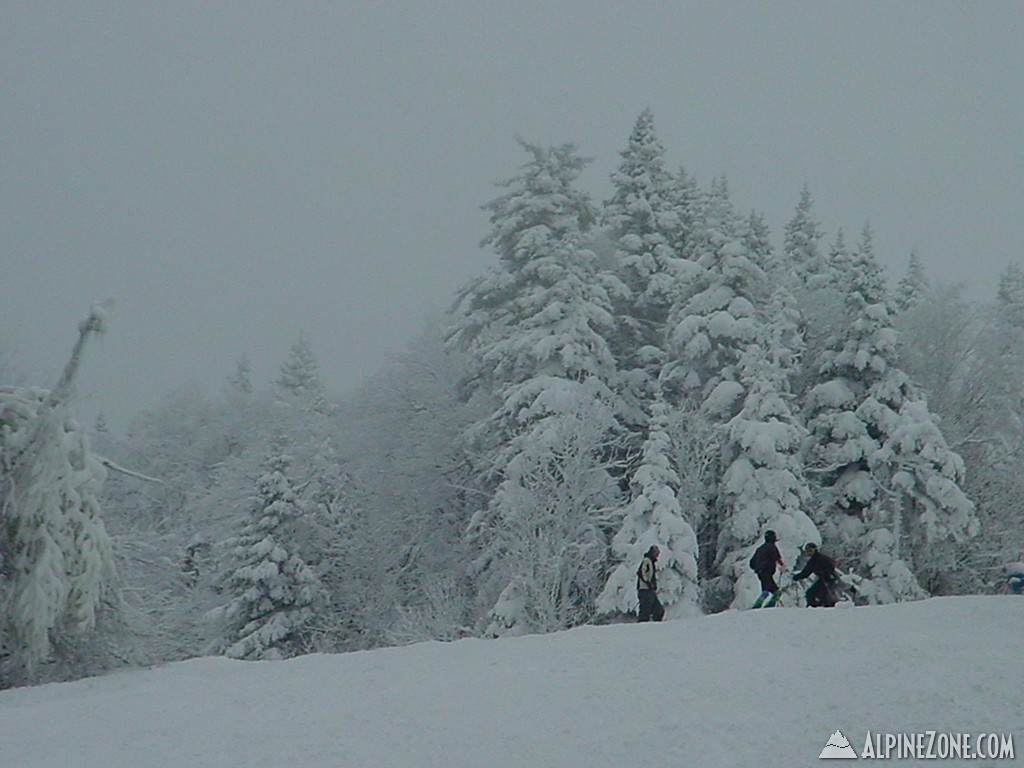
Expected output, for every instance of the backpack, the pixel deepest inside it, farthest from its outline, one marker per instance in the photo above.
(827, 572)
(760, 560)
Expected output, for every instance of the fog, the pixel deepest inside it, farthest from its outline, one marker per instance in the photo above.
(234, 173)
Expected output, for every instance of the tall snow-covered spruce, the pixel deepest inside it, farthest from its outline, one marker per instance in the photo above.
(536, 330)
(647, 221)
(813, 277)
(55, 555)
(715, 317)
(890, 482)
(801, 245)
(733, 366)
(913, 286)
(763, 486)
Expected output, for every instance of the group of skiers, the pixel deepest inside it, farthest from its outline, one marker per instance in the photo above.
(822, 592)
(764, 562)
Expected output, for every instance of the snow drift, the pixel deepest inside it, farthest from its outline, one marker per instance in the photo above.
(765, 687)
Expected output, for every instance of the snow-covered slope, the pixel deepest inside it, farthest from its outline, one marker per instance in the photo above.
(753, 688)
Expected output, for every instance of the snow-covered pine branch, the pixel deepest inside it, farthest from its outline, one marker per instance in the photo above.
(114, 467)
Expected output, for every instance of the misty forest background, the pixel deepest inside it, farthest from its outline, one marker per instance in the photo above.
(651, 369)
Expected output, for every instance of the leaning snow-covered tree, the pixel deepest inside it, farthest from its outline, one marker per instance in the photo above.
(55, 556)
(272, 591)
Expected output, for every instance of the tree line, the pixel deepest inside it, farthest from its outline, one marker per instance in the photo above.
(645, 370)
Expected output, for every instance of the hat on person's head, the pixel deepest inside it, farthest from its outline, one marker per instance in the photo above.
(810, 546)
(770, 536)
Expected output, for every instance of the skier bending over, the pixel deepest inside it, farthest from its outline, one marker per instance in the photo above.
(651, 608)
(765, 558)
(820, 595)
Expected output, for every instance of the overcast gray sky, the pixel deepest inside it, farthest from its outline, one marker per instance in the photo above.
(234, 172)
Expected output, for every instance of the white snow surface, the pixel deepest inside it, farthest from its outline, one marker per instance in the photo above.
(742, 688)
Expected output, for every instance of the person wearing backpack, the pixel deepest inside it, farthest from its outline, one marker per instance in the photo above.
(651, 608)
(820, 594)
(766, 557)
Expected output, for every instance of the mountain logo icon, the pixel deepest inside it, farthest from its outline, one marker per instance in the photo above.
(838, 747)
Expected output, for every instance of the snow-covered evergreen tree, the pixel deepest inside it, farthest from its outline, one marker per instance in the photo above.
(801, 245)
(876, 446)
(715, 318)
(928, 474)
(734, 356)
(299, 380)
(546, 308)
(536, 332)
(860, 355)
(815, 282)
(913, 286)
(763, 486)
(655, 516)
(649, 218)
(272, 590)
(302, 420)
(757, 238)
(646, 222)
(241, 379)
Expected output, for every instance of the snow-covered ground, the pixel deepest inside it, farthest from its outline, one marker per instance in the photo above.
(753, 688)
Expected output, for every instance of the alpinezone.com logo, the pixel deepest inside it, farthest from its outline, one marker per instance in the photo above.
(925, 745)
(838, 748)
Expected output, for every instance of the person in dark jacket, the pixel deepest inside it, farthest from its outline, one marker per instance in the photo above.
(766, 558)
(651, 608)
(820, 594)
